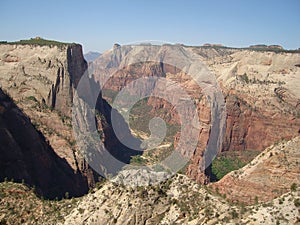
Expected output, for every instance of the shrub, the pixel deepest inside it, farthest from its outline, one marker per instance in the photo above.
(38, 41)
(137, 159)
(234, 214)
(256, 200)
(80, 210)
(297, 202)
(294, 187)
(31, 98)
(245, 78)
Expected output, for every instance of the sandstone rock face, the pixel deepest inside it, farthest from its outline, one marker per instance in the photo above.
(268, 176)
(49, 73)
(261, 91)
(26, 156)
(262, 97)
(41, 80)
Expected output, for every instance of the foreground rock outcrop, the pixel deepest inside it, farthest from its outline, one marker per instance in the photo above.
(179, 200)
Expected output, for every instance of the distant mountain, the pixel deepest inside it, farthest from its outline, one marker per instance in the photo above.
(91, 56)
(262, 46)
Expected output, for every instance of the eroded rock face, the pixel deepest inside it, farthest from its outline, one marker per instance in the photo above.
(248, 128)
(262, 95)
(26, 156)
(49, 73)
(42, 80)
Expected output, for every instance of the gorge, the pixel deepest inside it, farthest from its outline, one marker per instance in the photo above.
(253, 94)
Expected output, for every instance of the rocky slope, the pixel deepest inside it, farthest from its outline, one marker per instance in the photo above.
(177, 201)
(262, 95)
(269, 175)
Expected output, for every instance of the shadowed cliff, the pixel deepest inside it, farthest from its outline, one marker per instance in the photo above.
(26, 156)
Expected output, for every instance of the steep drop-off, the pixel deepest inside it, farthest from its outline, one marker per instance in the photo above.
(27, 157)
(41, 80)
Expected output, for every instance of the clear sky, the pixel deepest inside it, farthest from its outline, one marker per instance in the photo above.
(97, 25)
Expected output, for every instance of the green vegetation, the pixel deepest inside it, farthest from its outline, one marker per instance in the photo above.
(20, 205)
(138, 160)
(37, 41)
(141, 114)
(229, 161)
(297, 202)
(31, 98)
(222, 165)
(245, 78)
(294, 187)
(258, 49)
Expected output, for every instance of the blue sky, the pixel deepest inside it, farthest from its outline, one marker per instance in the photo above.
(97, 25)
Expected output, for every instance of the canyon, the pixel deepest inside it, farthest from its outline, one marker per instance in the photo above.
(244, 99)
(260, 90)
